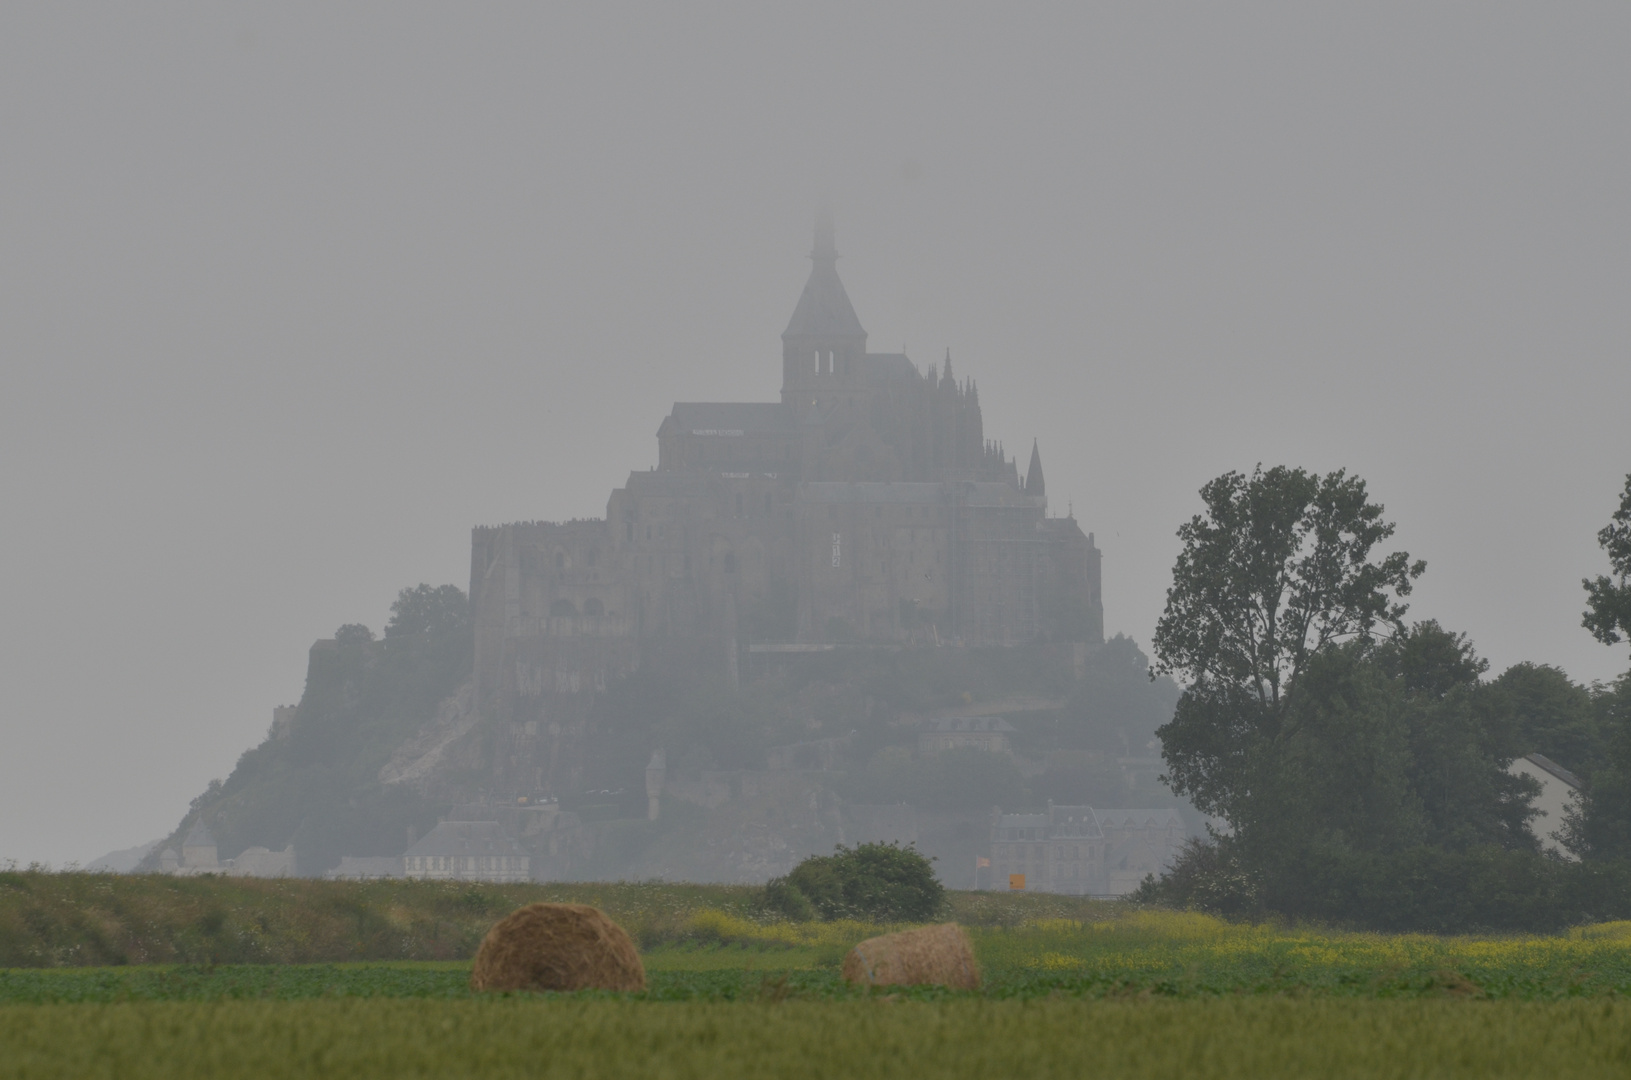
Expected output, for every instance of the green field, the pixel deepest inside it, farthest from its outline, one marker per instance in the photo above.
(516, 1037)
(1129, 953)
(1072, 988)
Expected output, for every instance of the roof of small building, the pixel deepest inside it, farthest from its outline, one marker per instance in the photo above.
(1552, 768)
(889, 367)
(1059, 822)
(730, 417)
(465, 838)
(1140, 819)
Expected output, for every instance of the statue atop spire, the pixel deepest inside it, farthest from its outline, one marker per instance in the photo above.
(825, 249)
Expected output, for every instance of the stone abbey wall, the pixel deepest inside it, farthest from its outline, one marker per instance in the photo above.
(865, 505)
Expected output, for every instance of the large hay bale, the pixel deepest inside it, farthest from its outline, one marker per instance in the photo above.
(557, 947)
(935, 954)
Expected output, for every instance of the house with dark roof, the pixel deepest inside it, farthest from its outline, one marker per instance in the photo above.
(1559, 793)
(467, 851)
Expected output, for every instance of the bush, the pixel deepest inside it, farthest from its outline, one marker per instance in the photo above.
(878, 882)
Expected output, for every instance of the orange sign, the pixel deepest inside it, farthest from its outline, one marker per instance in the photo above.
(1016, 881)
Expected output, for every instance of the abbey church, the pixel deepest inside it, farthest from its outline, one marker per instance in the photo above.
(866, 506)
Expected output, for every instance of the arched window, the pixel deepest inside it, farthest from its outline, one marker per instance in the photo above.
(730, 562)
(593, 606)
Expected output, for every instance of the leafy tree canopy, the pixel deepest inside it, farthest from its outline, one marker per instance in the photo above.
(884, 882)
(1608, 599)
(1276, 569)
(1556, 716)
(428, 611)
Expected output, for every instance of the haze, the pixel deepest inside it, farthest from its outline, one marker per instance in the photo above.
(291, 296)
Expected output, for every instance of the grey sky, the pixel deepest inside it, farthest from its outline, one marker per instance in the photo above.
(293, 295)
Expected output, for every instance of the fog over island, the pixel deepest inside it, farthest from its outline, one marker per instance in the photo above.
(292, 298)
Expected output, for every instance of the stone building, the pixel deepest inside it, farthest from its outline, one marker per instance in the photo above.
(1559, 793)
(1059, 851)
(866, 505)
(263, 862)
(198, 850)
(988, 733)
(467, 851)
(1082, 851)
(1138, 843)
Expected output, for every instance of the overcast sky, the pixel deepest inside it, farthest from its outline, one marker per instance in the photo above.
(293, 295)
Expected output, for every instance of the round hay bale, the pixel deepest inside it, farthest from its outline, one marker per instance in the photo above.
(935, 954)
(557, 947)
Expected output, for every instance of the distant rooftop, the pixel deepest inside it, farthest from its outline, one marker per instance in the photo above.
(466, 838)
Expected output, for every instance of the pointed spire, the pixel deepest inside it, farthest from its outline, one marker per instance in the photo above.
(824, 310)
(1033, 476)
(948, 363)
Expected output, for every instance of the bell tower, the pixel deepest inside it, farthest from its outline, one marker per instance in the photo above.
(824, 346)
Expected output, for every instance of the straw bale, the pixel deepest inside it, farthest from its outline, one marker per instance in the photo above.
(557, 947)
(934, 954)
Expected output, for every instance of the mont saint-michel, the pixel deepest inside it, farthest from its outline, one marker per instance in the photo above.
(866, 505)
(839, 616)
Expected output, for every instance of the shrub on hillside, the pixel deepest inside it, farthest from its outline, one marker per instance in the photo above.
(879, 882)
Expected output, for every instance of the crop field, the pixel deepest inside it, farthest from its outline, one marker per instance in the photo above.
(1091, 990)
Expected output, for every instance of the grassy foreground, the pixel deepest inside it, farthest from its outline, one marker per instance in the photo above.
(1072, 988)
(80, 919)
(519, 1037)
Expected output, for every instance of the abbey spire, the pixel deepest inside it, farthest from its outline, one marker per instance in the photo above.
(1033, 476)
(824, 340)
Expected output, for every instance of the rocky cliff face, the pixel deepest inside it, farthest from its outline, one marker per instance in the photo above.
(805, 752)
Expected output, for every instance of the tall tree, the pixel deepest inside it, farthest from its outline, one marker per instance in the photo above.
(1602, 826)
(1276, 569)
(1608, 599)
(1556, 716)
